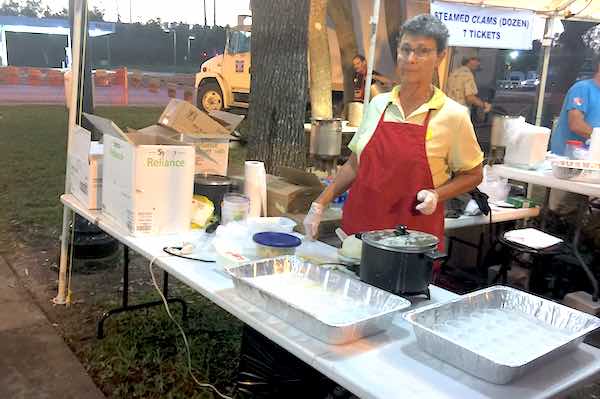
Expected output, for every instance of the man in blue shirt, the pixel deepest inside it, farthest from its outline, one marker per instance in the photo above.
(580, 111)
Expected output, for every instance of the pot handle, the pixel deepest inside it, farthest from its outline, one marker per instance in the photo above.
(436, 255)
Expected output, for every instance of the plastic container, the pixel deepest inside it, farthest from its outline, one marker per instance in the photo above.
(526, 146)
(235, 207)
(594, 154)
(274, 224)
(273, 244)
(570, 148)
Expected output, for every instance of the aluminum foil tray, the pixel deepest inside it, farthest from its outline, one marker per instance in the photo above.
(326, 304)
(498, 333)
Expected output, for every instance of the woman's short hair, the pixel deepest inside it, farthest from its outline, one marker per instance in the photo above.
(429, 26)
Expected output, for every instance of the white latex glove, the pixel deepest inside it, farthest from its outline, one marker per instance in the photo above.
(312, 220)
(428, 201)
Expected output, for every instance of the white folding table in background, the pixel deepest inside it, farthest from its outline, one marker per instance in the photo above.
(546, 179)
(387, 365)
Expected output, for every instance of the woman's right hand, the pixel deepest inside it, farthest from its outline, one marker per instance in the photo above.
(312, 221)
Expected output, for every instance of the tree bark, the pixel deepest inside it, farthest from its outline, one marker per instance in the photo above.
(279, 83)
(320, 61)
(340, 12)
(395, 14)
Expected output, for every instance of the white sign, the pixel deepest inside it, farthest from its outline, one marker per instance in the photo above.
(489, 27)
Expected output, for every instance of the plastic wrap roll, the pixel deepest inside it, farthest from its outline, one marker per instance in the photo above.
(255, 187)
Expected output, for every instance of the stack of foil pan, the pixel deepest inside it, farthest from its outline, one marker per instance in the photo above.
(498, 333)
(326, 304)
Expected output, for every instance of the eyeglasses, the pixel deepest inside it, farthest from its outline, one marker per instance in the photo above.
(420, 52)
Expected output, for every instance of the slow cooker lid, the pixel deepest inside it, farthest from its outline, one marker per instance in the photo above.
(207, 179)
(401, 239)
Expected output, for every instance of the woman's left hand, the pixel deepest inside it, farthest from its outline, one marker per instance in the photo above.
(428, 201)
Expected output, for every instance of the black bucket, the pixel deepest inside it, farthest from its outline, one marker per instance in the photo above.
(213, 187)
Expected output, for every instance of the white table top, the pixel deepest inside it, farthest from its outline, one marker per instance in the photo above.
(546, 179)
(388, 365)
(498, 215)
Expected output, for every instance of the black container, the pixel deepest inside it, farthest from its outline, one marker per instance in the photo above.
(399, 261)
(214, 187)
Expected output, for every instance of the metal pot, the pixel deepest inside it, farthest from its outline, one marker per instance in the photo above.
(399, 260)
(214, 187)
(500, 124)
(355, 113)
(326, 137)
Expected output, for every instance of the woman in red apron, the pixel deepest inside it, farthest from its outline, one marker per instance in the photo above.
(390, 181)
(393, 169)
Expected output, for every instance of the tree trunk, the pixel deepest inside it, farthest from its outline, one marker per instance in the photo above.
(279, 83)
(340, 12)
(395, 14)
(320, 61)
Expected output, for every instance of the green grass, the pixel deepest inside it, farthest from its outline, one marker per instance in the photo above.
(143, 354)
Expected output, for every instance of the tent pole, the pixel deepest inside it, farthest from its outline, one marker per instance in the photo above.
(79, 7)
(371, 58)
(547, 44)
(3, 48)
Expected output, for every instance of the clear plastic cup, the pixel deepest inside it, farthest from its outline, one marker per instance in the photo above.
(235, 207)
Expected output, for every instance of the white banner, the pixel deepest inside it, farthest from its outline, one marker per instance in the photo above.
(489, 27)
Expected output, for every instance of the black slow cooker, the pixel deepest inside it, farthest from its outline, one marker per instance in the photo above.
(399, 260)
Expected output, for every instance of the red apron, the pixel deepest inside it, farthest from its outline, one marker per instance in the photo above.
(393, 168)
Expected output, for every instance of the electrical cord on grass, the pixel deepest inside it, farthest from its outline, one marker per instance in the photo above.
(185, 340)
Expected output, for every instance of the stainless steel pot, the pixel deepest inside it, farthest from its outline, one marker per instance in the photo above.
(355, 113)
(399, 260)
(326, 137)
(500, 124)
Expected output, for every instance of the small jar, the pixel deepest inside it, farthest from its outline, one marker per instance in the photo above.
(571, 146)
(235, 207)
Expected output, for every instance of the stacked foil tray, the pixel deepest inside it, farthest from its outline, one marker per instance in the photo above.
(499, 333)
(326, 304)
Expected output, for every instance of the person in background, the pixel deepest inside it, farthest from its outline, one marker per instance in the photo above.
(579, 115)
(580, 112)
(359, 63)
(461, 86)
(414, 149)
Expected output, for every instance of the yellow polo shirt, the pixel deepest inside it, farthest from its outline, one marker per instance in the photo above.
(450, 144)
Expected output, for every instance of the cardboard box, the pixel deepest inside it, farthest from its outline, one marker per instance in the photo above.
(148, 180)
(212, 154)
(210, 133)
(292, 192)
(332, 219)
(85, 163)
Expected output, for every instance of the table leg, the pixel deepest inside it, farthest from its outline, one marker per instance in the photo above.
(544, 211)
(583, 207)
(125, 307)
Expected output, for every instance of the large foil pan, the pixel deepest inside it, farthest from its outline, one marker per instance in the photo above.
(326, 304)
(498, 333)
